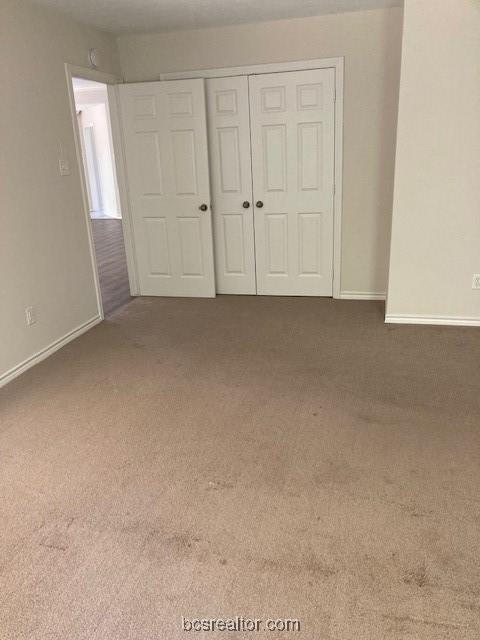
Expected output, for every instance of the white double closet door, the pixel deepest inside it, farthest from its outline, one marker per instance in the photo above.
(271, 141)
(270, 163)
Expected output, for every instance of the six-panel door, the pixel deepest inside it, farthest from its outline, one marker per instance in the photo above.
(231, 176)
(292, 133)
(164, 126)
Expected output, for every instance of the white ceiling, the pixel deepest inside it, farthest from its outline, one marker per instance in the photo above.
(123, 16)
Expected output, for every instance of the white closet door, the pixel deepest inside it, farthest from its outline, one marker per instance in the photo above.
(231, 176)
(165, 135)
(292, 119)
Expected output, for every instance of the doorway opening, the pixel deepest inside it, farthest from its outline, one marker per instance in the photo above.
(95, 134)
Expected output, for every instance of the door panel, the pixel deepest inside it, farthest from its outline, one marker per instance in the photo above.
(164, 126)
(276, 245)
(230, 161)
(292, 133)
(274, 158)
(156, 238)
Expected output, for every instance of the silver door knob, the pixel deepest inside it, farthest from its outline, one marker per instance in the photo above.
(259, 204)
(246, 204)
(203, 207)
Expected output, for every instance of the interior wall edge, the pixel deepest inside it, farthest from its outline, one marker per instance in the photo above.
(434, 255)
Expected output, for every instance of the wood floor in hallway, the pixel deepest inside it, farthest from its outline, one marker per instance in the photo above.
(112, 263)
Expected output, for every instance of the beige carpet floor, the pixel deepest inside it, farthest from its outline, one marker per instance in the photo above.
(264, 457)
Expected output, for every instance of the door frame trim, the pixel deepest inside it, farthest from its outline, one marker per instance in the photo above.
(110, 80)
(337, 64)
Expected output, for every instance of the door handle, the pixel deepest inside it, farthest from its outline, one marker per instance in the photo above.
(246, 204)
(203, 207)
(259, 204)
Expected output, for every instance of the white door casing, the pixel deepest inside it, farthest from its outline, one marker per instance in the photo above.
(231, 182)
(292, 132)
(165, 139)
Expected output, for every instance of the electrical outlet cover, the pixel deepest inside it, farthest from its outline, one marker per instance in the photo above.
(476, 281)
(30, 316)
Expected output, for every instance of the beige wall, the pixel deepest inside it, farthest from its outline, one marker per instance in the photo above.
(370, 42)
(44, 255)
(436, 220)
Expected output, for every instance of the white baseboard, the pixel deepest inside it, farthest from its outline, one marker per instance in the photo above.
(454, 321)
(9, 375)
(361, 295)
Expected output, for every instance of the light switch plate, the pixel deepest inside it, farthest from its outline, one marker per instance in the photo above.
(64, 167)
